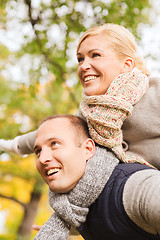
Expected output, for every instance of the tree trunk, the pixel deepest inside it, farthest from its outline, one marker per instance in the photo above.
(30, 211)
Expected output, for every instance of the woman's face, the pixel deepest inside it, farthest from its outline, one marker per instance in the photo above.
(98, 65)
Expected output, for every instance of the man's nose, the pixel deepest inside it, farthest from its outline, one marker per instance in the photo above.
(45, 156)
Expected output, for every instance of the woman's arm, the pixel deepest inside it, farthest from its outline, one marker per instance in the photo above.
(141, 199)
(20, 145)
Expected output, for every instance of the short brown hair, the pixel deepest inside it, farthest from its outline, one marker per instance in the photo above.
(80, 126)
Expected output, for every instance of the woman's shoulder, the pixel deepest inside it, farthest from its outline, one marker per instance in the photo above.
(154, 83)
(153, 92)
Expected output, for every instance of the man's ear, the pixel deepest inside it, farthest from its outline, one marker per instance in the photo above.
(89, 148)
(128, 65)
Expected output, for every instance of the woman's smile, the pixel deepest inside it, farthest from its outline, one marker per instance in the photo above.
(89, 78)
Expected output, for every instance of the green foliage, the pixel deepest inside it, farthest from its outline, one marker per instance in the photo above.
(4, 52)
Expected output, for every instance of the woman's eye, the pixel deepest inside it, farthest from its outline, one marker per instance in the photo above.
(80, 59)
(96, 55)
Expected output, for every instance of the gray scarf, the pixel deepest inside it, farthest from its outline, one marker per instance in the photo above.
(71, 209)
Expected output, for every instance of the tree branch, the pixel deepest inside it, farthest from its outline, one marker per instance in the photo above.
(13, 199)
(45, 53)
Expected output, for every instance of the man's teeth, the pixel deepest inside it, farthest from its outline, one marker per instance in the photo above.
(89, 78)
(51, 171)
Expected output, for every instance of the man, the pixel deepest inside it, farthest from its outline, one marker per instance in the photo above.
(125, 206)
(62, 150)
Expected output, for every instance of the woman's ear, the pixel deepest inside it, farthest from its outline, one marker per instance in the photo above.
(128, 65)
(89, 148)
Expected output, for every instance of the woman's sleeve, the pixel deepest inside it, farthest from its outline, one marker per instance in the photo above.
(26, 142)
(20, 145)
(141, 199)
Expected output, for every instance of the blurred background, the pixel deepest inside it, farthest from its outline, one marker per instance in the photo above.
(38, 78)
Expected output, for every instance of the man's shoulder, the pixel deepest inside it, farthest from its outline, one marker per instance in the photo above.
(113, 189)
(127, 169)
(119, 177)
(131, 167)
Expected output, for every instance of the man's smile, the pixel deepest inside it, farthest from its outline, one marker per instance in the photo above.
(53, 171)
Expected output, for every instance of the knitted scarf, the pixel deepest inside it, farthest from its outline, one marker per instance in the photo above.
(71, 208)
(106, 113)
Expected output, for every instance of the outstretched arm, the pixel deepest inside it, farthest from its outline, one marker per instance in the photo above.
(141, 199)
(20, 145)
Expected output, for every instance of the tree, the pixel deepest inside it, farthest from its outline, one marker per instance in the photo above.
(49, 32)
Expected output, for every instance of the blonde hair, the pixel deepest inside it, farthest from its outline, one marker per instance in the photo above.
(121, 40)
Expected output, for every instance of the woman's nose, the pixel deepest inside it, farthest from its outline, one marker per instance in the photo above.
(86, 64)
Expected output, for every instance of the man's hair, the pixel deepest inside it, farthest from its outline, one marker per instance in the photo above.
(80, 126)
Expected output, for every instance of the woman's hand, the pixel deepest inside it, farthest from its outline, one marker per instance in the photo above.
(10, 145)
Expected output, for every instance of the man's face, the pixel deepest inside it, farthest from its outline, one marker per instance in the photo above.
(60, 160)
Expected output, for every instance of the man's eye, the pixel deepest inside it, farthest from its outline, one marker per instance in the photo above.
(54, 144)
(37, 152)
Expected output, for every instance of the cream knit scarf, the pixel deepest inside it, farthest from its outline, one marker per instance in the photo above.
(106, 113)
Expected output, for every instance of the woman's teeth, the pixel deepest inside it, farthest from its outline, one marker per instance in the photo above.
(89, 78)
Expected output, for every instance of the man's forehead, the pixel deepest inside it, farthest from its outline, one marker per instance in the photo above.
(58, 122)
(55, 126)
